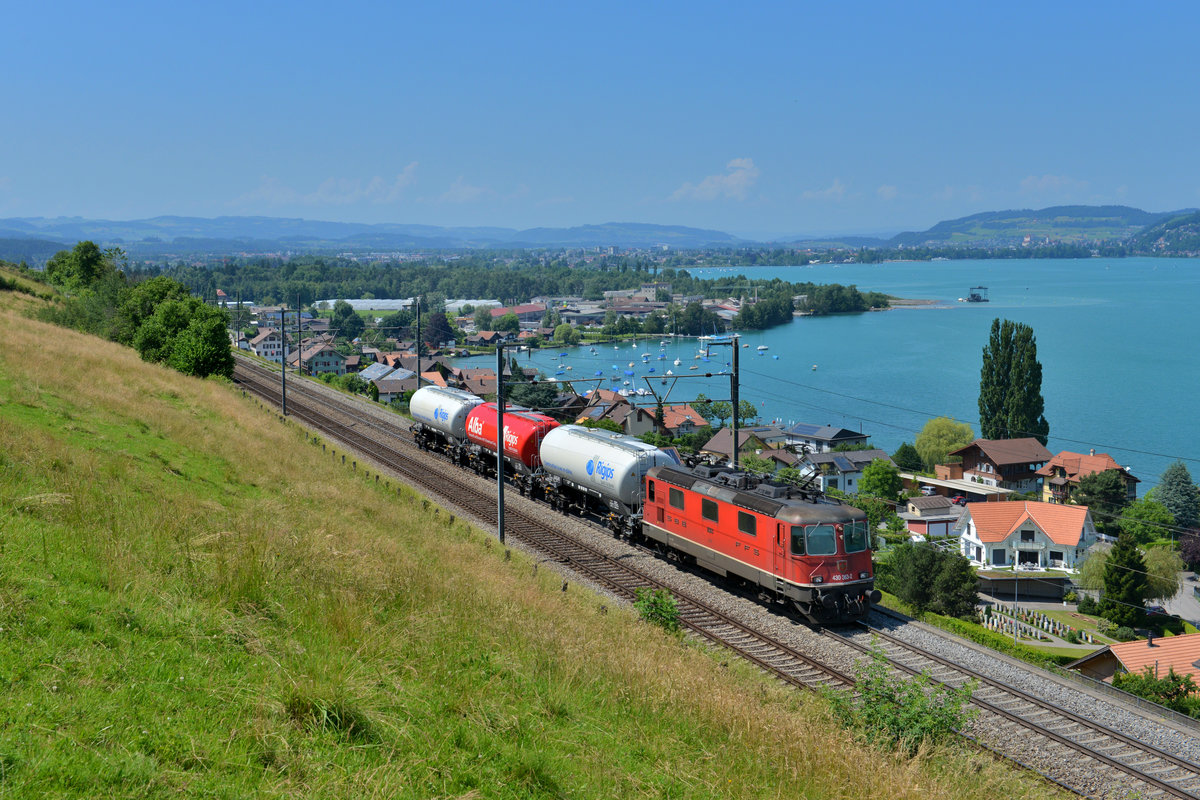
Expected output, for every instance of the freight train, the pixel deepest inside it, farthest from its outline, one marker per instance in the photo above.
(795, 546)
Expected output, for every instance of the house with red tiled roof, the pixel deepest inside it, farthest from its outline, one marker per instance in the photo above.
(1061, 475)
(1027, 534)
(1180, 653)
(603, 404)
(1007, 463)
(680, 420)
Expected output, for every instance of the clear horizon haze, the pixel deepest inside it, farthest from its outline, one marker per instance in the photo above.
(778, 119)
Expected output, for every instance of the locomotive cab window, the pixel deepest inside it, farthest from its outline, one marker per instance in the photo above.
(650, 490)
(675, 498)
(855, 536)
(797, 540)
(708, 509)
(821, 540)
(747, 524)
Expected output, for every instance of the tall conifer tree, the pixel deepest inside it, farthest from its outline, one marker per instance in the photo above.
(1125, 584)
(1178, 493)
(1010, 385)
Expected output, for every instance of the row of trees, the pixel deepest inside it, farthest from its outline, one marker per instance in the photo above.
(159, 317)
(509, 277)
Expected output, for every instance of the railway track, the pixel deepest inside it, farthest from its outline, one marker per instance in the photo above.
(1145, 769)
(1162, 774)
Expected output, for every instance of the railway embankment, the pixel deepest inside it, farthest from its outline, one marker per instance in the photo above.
(195, 599)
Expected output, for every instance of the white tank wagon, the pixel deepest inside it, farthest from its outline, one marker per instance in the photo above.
(440, 418)
(589, 469)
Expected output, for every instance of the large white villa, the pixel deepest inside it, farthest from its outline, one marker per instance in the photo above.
(1026, 534)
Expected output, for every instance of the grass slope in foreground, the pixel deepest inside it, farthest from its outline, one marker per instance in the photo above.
(193, 601)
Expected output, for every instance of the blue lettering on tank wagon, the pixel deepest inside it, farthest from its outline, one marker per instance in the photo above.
(597, 468)
(441, 414)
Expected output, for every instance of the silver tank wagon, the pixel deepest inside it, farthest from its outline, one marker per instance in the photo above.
(590, 467)
(442, 412)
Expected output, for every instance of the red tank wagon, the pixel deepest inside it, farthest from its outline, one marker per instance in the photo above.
(807, 551)
(523, 434)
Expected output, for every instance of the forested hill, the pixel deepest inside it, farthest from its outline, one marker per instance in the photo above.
(1179, 235)
(1058, 223)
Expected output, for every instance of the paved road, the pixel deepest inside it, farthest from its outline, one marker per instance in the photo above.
(1185, 604)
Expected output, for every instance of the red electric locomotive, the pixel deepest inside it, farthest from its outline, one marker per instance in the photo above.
(797, 547)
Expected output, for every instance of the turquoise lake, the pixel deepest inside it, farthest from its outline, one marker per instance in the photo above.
(1117, 339)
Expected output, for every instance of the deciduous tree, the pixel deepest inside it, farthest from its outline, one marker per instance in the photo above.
(437, 330)
(139, 302)
(81, 266)
(1163, 565)
(202, 348)
(880, 478)
(1147, 520)
(346, 322)
(929, 579)
(941, 435)
(509, 323)
(1010, 385)
(1091, 569)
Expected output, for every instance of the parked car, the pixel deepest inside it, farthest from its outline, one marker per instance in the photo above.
(958, 500)
(928, 491)
(1156, 611)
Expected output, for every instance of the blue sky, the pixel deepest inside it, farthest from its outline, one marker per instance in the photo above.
(785, 118)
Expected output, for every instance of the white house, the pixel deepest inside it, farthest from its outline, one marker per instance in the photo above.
(1031, 535)
(268, 344)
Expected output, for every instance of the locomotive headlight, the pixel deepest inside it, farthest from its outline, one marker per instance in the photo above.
(864, 574)
(818, 579)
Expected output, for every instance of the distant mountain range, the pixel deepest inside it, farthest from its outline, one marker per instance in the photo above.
(182, 235)
(34, 238)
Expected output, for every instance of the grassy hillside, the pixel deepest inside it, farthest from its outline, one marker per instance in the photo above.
(195, 601)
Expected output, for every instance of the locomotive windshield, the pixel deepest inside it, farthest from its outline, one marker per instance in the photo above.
(856, 536)
(822, 540)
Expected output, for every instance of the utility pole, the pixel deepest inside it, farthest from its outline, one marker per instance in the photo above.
(299, 339)
(417, 301)
(733, 390)
(733, 393)
(499, 441)
(283, 357)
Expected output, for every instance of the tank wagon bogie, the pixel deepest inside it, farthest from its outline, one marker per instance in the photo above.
(812, 554)
(598, 471)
